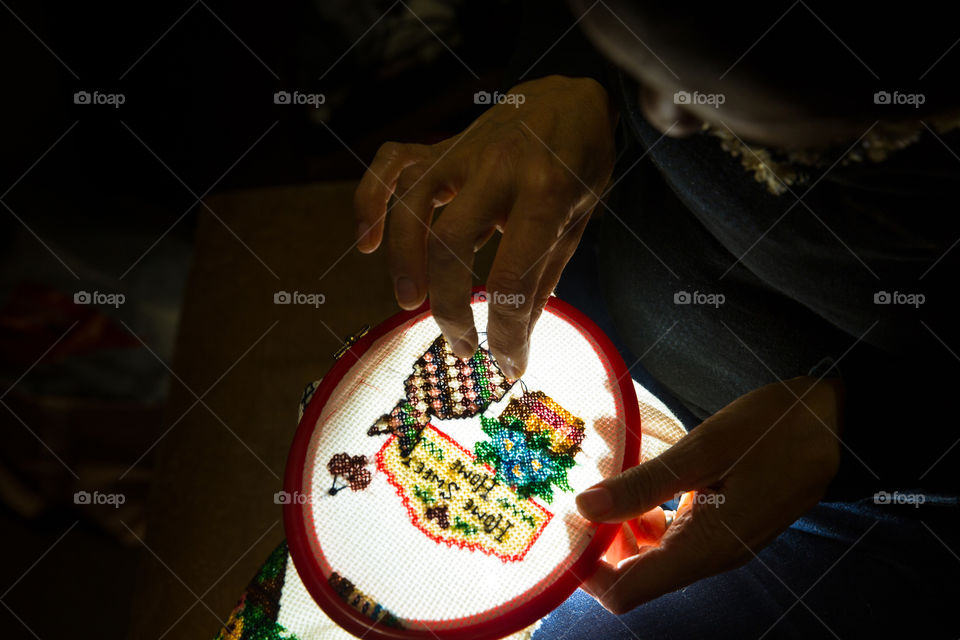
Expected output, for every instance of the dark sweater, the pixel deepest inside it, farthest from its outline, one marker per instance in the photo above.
(798, 280)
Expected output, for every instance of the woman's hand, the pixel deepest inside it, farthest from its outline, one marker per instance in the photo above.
(756, 466)
(533, 171)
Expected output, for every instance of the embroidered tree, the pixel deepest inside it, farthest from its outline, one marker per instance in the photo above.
(351, 469)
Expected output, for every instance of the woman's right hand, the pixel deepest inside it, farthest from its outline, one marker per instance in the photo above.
(532, 168)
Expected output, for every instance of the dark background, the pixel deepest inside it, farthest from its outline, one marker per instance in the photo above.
(102, 198)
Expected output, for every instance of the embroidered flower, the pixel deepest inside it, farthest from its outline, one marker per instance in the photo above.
(523, 461)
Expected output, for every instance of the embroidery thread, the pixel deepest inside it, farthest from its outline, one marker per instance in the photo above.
(540, 415)
(255, 616)
(459, 502)
(532, 445)
(444, 386)
(452, 387)
(362, 602)
(351, 469)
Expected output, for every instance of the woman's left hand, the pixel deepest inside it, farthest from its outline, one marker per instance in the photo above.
(755, 466)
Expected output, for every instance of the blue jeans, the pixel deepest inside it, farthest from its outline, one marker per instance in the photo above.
(845, 569)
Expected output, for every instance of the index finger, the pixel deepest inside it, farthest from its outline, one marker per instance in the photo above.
(530, 235)
(376, 186)
(453, 239)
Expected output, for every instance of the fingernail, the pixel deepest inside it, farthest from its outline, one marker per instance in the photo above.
(406, 291)
(463, 349)
(595, 503)
(510, 368)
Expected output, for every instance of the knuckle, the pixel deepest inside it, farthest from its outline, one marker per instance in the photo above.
(402, 262)
(440, 249)
(443, 236)
(712, 451)
(706, 530)
(634, 486)
(505, 282)
(389, 150)
(510, 295)
(403, 226)
(553, 183)
(410, 177)
(619, 600)
(547, 176)
(505, 150)
(450, 315)
(539, 303)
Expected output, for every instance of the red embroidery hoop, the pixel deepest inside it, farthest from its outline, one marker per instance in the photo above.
(539, 605)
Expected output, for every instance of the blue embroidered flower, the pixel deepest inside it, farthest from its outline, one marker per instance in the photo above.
(518, 461)
(523, 462)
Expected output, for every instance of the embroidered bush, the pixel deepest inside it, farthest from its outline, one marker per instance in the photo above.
(521, 460)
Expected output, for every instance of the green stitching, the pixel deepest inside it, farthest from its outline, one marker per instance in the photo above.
(466, 528)
(425, 495)
(477, 363)
(521, 460)
(433, 449)
(506, 504)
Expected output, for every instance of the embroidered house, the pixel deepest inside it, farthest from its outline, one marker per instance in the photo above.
(539, 415)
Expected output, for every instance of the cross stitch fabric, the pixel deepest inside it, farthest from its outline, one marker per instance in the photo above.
(437, 493)
(279, 607)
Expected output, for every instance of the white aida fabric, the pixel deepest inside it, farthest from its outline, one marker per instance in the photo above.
(304, 620)
(661, 428)
(493, 547)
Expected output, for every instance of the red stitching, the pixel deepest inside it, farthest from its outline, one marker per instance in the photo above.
(415, 518)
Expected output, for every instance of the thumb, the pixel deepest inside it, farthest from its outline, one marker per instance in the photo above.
(686, 465)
